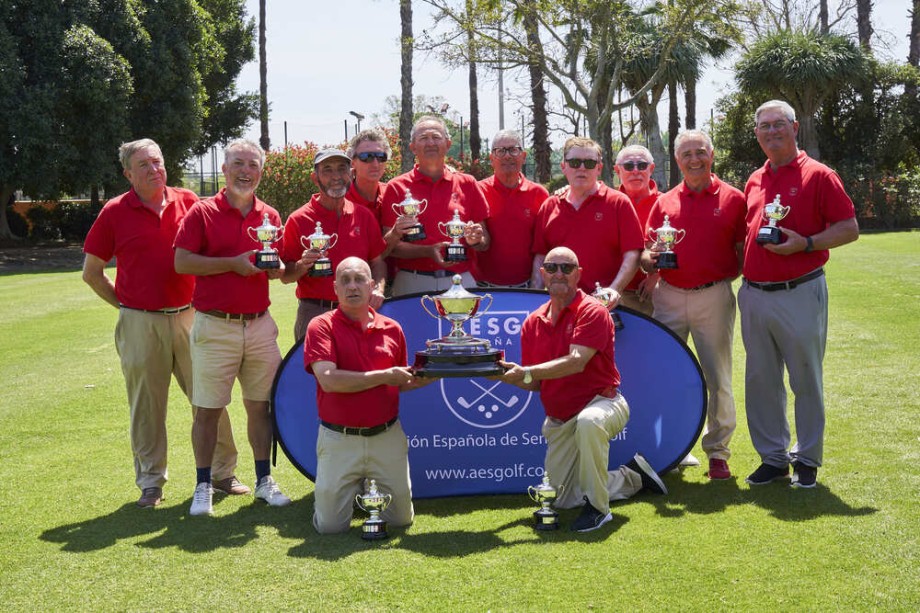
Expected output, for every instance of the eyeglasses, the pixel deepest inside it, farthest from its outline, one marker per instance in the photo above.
(631, 166)
(367, 156)
(576, 163)
(552, 267)
(776, 126)
(512, 151)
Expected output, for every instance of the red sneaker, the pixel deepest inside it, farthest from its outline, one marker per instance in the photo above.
(718, 470)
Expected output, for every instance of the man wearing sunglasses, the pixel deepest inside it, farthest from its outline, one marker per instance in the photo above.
(634, 167)
(596, 222)
(783, 299)
(567, 352)
(697, 298)
(513, 204)
(421, 264)
(356, 229)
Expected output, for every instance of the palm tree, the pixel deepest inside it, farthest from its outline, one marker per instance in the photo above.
(913, 55)
(405, 110)
(263, 81)
(804, 69)
(864, 23)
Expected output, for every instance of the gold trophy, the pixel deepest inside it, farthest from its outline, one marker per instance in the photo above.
(373, 502)
(665, 238)
(545, 495)
(602, 294)
(266, 234)
(457, 354)
(410, 207)
(772, 213)
(453, 230)
(321, 242)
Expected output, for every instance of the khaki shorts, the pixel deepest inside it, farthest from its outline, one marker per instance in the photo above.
(223, 351)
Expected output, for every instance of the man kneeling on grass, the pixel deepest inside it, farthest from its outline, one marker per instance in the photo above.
(359, 360)
(567, 349)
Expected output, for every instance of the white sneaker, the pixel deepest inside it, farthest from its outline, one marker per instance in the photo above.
(689, 460)
(201, 501)
(269, 491)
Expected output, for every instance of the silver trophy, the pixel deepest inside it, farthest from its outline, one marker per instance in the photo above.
(454, 229)
(457, 354)
(665, 238)
(602, 295)
(772, 213)
(266, 234)
(321, 242)
(410, 207)
(373, 502)
(546, 518)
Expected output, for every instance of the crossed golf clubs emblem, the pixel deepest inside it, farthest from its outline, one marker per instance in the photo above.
(482, 406)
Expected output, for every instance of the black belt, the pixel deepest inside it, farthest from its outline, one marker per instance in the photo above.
(170, 311)
(233, 316)
(437, 274)
(693, 289)
(371, 431)
(772, 287)
(323, 304)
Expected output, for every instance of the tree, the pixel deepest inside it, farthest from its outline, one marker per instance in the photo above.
(405, 114)
(864, 23)
(263, 81)
(541, 146)
(913, 54)
(803, 69)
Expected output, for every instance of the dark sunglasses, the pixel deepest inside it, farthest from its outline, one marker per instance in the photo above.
(576, 163)
(631, 166)
(367, 156)
(552, 267)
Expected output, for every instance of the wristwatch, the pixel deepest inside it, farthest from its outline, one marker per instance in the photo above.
(810, 244)
(528, 376)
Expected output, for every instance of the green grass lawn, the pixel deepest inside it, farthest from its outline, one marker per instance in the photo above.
(72, 538)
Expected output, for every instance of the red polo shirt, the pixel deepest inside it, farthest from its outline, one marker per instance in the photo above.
(714, 222)
(583, 322)
(817, 199)
(141, 242)
(333, 337)
(600, 231)
(453, 191)
(512, 212)
(215, 229)
(372, 205)
(643, 208)
(358, 235)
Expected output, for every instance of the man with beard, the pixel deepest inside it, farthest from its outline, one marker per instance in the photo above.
(234, 335)
(357, 234)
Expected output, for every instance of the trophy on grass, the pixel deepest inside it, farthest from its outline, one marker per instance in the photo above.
(665, 238)
(266, 234)
(373, 502)
(602, 294)
(321, 242)
(457, 354)
(545, 495)
(410, 207)
(453, 229)
(772, 213)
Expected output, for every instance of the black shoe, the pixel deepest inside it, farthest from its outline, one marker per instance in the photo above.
(804, 475)
(767, 473)
(650, 479)
(590, 519)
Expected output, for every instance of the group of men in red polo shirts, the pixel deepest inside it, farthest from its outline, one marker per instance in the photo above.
(513, 225)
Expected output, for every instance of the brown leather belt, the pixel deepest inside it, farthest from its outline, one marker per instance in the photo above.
(371, 431)
(693, 289)
(170, 311)
(323, 304)
(233, 316)
(772, 287)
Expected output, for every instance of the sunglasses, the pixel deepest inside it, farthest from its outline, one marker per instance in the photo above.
(576, 163)
(367, 156)
(552, 267)
(631, 166)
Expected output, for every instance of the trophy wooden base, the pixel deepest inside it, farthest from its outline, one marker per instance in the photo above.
(769, 235)
(443, 360)
(321, 268)
(415, 233)
(455, 253)
(545, 519)
(374, 529)
(667, 260)
(267, 260)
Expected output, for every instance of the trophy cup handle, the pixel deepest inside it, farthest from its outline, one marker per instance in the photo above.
(396, 209)
(442, 227)
(389, 499)
(483, 310)
(679, 235)
(332, 241)
(254, 237)
(305, 245)
(359, 503)
(422, 205)
(531, 491)
(425, 306)
(652, 236)
(279, 235)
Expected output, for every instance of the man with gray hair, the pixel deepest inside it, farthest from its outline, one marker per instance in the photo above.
(696, 299)
(634, 167)
(513, 204)
(234, 335)
(783, 299)
(137, 228)
(422, 265)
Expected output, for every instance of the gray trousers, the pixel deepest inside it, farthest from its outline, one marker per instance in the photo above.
(785, 329)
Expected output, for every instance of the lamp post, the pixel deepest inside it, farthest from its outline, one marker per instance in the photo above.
(357, 116)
